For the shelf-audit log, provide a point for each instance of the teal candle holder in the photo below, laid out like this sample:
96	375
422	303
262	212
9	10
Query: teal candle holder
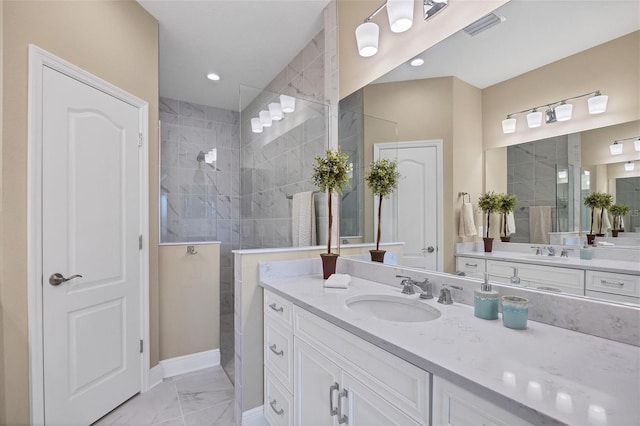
515	312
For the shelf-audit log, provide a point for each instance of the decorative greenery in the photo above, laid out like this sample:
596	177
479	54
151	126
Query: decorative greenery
618	210
489	202
598	200
331	174
506	204
382	178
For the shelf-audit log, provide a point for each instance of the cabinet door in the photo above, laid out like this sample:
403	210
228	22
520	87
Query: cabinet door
364	407
314	376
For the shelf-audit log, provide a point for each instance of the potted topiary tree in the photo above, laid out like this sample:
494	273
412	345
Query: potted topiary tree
330	174
618	211
604	203
488	203
506	204
382	178
594	201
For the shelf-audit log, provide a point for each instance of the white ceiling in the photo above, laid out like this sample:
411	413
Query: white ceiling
247	42
535	33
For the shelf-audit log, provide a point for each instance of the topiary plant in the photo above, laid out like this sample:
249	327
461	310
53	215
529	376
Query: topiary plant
605	201
382	178
591	201
489	202
618	211
506	204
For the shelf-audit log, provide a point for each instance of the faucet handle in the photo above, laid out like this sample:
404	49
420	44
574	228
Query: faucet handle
565	251
403	276
445	296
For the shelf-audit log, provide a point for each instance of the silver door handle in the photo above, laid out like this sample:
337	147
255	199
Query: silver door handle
333	410
429	249
275	410
275	350
58	278
273	306
612	283
341	417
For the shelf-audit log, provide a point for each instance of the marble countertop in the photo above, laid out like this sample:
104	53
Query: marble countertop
604	265
544	374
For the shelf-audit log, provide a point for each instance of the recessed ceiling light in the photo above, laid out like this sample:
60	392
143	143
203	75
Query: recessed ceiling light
213	76
416	62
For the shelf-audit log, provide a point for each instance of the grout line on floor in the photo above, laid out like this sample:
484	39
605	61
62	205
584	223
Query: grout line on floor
179	403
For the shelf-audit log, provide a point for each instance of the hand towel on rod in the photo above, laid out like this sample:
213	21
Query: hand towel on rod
303	220
539	224
511	224
467	225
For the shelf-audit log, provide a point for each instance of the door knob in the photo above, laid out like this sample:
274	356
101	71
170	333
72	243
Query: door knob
58	278
429	249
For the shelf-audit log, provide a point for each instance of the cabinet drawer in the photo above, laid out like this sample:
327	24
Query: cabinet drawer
278	403
607	282
547	277
278	307
278	352
399	382
470	265
613	297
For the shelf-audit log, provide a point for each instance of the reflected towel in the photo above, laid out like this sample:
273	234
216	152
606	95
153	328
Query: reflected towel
467	225
539	224
511	224
606	223
303	220
338	281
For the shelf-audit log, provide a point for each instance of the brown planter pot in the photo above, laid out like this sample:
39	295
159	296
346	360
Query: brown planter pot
599	235
505	239
614	232
328	264
590	238
488	244
377	255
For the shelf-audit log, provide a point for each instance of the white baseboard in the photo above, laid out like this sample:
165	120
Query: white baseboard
254	417
156	375
188	363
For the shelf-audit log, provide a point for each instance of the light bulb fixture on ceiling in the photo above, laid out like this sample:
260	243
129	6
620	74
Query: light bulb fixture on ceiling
616	148
213	76
416	62
209	157
400	14
557	111
629	166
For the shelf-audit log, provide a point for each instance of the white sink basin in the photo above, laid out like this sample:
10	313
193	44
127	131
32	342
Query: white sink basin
393	308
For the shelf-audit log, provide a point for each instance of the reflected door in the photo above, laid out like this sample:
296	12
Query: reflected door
91	226
411	213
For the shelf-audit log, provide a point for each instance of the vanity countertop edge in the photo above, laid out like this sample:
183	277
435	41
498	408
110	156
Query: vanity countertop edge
480	354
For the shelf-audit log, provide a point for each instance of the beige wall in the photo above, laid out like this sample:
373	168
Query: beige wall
189	299
116	41
612	68
394	49
2	380
439	108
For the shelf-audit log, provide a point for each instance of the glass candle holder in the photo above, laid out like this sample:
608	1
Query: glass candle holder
515	311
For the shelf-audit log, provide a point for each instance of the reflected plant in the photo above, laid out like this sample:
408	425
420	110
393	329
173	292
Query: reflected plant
382	178
506	204
489	202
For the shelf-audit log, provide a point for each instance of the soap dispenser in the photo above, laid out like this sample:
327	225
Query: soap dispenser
486	301
586	253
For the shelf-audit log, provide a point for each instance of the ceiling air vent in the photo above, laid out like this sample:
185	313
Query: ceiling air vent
483	23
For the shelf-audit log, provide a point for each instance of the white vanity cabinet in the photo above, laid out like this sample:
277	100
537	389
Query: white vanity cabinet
543	277
613	286
453	405
472	267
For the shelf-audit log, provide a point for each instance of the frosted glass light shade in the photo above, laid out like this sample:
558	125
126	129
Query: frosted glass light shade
275	111
534	119
287	103
598	104
629	166
256	126
563	112
400	14
636	144
615	148
265	118
367	39
211	156
508	125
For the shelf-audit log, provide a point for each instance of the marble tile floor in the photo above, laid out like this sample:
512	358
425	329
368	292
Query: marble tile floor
200	398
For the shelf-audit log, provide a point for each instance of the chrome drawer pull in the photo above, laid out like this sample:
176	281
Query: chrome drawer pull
273	306
332	410
341	417
612	284
471	265
273	349
275	410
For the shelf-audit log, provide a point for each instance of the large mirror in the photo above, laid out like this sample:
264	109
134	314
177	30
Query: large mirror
470	82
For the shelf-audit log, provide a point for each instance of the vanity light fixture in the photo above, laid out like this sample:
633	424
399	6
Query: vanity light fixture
275	111
587	173
615	148
256	125
287	103
209	158
400	14
556	111
629	166
636	144
562	174
265	118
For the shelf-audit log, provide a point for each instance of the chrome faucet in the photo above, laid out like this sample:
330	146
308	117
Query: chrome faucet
565	252
539	250
408	285
551	250
445	294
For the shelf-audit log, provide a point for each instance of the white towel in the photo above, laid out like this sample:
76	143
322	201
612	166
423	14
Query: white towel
605	243
338	281
303	220
606	224
467	225
511	224
539	224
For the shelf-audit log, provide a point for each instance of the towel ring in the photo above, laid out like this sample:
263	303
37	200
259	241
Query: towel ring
462	194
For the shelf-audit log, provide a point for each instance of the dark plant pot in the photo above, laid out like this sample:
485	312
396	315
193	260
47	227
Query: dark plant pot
621	230
488	244
614	232
377	255
328	264
590	238
505	239
599	235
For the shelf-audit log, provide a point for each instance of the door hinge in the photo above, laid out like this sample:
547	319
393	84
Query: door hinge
140	139
141	346
140	242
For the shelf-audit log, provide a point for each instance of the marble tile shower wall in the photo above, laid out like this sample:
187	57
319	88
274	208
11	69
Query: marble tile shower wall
278	162
531	175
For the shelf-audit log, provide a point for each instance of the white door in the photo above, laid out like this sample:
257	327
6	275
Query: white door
91	226
316	387
412	213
